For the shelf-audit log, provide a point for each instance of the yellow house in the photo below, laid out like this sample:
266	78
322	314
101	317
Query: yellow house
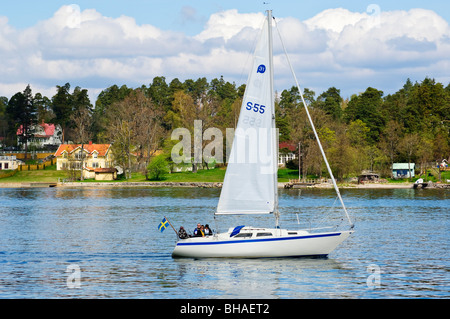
100	174
96	157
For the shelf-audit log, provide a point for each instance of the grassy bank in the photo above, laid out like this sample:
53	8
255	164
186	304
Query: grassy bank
212	175
51	175
47	175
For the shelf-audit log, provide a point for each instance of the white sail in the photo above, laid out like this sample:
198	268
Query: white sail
250	184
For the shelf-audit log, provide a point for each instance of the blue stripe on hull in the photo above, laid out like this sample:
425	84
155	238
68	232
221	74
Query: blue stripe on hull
256	240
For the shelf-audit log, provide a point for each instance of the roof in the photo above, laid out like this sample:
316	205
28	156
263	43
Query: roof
106	170
102	170
49	130
403	165
290	146
101	149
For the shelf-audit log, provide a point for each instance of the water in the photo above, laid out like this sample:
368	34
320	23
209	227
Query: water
104	243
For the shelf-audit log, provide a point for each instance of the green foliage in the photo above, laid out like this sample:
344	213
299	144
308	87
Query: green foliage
367	131
367	107
157	168
331	101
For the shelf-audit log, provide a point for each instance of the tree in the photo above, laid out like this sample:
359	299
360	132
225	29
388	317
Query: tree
82	123
358	133
62	107
134	129
367	108
43	108
104	101
392	134
157	168
342	156
159	92
330	101
3	118
409	146
22	112
427	107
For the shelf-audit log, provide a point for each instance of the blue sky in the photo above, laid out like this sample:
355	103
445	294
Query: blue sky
168	14
345	44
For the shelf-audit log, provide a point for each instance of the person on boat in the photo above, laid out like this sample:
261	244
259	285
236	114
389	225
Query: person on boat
207	231
198	231
182	233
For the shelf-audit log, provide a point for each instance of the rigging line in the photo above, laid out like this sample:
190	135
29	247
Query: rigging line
314	129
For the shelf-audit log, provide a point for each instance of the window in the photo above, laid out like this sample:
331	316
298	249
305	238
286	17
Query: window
6	165
243	235
263	234
95	164
292	233
75	165
94	155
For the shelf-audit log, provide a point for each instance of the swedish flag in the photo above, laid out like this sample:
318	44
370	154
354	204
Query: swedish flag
163	225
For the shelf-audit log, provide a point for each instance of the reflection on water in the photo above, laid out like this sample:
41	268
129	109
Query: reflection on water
111	235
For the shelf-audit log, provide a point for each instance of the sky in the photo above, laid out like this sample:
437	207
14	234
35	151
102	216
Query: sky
348	44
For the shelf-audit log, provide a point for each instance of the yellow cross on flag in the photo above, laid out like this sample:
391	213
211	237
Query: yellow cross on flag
163	225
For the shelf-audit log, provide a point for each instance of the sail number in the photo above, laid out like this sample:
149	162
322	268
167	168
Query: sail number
255	107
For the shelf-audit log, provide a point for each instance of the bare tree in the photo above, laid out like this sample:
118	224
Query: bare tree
135	130
409	146
82	122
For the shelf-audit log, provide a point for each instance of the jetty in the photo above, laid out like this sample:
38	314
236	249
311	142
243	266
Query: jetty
299	183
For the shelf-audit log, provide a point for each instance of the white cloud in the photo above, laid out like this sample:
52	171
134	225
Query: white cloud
227	24
337	47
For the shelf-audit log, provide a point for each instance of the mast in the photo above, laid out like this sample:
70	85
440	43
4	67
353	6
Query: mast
274	127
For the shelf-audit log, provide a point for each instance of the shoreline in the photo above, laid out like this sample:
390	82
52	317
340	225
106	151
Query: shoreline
193	184
284	185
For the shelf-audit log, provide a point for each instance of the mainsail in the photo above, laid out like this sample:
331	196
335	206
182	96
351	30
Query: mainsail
250	184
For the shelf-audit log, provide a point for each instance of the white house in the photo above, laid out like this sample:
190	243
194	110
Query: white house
287	153
403	170
8	162
42	134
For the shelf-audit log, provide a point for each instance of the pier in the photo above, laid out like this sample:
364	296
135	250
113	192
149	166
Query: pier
298	183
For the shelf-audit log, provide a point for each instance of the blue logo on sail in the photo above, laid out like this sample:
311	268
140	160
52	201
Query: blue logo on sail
261	68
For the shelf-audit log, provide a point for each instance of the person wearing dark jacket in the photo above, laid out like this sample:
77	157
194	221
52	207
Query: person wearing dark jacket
182	233
198	231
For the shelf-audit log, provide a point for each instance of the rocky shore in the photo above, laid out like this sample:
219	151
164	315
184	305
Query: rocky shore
217	185
146	184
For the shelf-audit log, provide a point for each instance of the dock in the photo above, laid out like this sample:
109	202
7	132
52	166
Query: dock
299	183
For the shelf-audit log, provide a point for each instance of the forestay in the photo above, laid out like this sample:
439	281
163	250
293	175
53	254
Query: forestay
250	184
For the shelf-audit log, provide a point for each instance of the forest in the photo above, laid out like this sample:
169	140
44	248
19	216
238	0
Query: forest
368	131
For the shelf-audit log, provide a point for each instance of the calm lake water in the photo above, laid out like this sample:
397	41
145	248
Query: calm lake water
104	243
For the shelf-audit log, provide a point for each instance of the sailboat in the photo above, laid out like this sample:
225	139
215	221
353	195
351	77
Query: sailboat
251	184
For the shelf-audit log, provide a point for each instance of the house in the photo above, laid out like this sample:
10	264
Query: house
368	176
403	170
8	162
41	135
100	174
94	156
286	153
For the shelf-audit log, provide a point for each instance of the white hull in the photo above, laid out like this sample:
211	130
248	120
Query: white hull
281	243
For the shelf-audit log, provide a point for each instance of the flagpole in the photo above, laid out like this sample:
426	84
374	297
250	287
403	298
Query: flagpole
171	225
